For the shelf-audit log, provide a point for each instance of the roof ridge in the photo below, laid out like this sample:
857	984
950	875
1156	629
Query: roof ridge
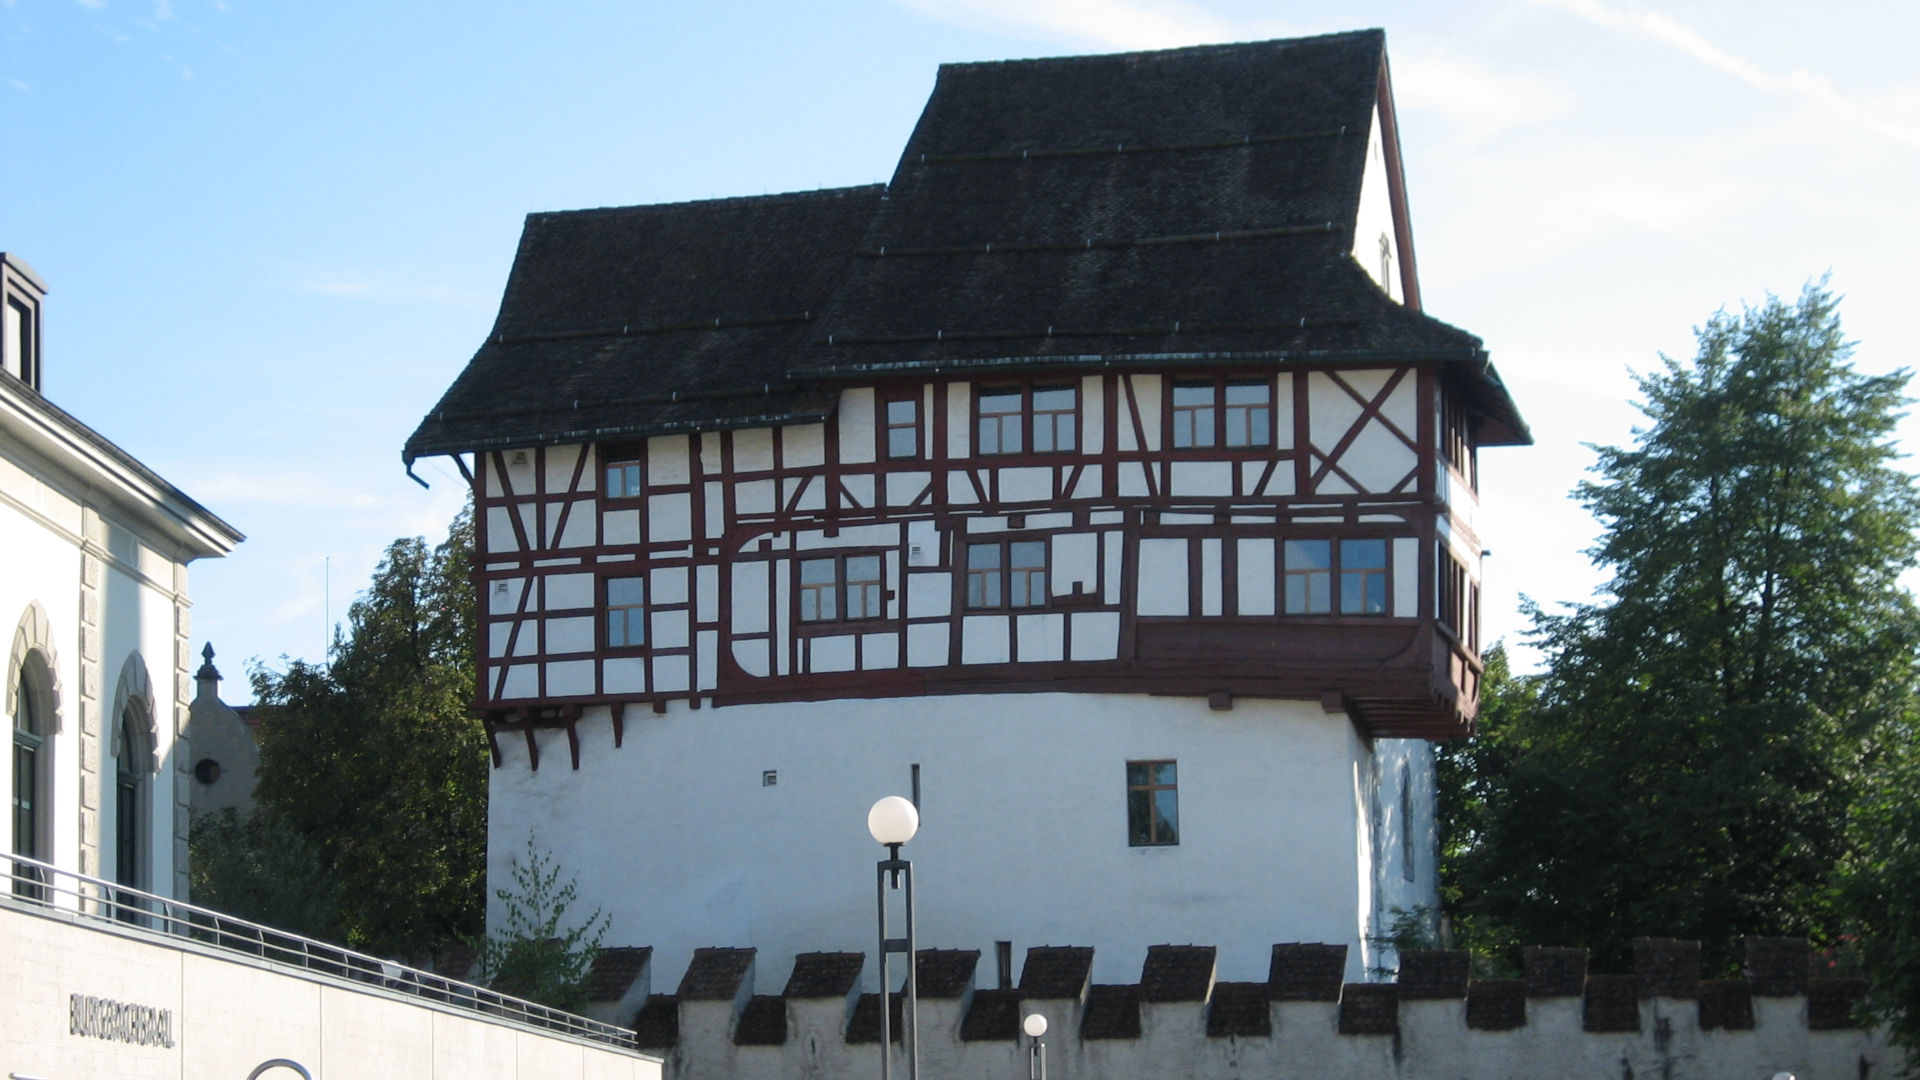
1222	48
720	201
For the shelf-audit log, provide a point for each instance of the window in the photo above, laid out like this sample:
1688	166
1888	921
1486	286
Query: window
1456	439
1214	413
1309	573
1307	568
19	342
129	789
900	425
842	587
1192	415
1363	577
1007	574
626	612
1249	414
1459	602
1153	804
623	471
1005	416
29	785
1054	409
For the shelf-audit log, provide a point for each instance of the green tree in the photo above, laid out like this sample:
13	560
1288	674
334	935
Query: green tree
262	869
1688	759
377	759
1880	887
533	954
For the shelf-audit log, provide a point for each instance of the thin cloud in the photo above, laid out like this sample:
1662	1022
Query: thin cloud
1808	86
1477	100
1116	24
163	10
90	5
288	489
20	86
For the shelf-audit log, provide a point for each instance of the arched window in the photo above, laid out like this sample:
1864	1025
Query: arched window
32	754
131	757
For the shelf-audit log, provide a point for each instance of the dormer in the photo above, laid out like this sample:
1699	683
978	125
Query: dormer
22	295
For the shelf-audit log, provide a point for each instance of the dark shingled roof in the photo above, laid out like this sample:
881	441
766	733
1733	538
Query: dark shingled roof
1183	208
1113	1012
992	1016
1496	1004
653	318
1427	974
1725	1005
1612	1003
1239	1009
1830	1003
1055	971
1306	971
1667	967
614	970
864	1025
946	973
657	1025
1177	973
824	974
763	1022
1369	1009
1555	971
715	974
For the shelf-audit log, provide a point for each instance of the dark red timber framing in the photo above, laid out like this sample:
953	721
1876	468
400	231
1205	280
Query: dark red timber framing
1171	235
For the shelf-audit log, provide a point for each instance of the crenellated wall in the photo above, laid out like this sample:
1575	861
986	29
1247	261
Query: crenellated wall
1437	1021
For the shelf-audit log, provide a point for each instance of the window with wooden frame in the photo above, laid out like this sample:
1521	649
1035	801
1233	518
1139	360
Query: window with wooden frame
624	470
842	588
1153	803
900	425
1004	574
1326	576
1235	413
1459	606
1456	438
1012	419
626	612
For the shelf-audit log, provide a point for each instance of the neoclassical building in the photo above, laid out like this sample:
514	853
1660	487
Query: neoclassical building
97	675
1099	481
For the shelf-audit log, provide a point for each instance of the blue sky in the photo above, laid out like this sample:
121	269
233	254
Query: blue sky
275	232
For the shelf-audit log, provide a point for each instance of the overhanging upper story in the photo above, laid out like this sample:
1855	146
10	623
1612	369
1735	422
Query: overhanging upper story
1122	383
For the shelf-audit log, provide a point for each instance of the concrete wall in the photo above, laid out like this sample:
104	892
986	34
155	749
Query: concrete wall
746	825
224	1016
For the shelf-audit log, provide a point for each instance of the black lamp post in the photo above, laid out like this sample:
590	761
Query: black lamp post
893	821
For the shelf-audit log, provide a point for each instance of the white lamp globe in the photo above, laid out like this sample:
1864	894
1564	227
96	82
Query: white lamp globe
1034	1025
893	820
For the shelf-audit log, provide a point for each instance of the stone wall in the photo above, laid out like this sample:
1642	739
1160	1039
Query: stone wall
1436	1021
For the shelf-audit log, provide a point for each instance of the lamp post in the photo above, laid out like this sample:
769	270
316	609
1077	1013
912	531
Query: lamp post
893	821
1035	1026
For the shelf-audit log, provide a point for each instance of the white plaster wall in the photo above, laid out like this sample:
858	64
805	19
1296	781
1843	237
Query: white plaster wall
1024	836
1409	885
231	1014
1375	217
39	531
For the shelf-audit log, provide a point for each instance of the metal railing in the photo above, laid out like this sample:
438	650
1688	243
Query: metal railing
34	884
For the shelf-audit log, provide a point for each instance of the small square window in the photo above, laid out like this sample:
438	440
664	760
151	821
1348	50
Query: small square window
842	587
1248	414
1054	411
1363	577
623	471
900	421
626	612
1307	567
1193	412
1007	574
999	426
1153	804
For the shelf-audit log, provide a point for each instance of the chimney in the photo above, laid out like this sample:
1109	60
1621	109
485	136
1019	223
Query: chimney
21	295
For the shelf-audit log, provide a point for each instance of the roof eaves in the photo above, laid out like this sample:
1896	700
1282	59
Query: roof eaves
76	447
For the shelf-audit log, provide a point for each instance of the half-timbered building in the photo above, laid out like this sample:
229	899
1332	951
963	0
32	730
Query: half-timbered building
1100	478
